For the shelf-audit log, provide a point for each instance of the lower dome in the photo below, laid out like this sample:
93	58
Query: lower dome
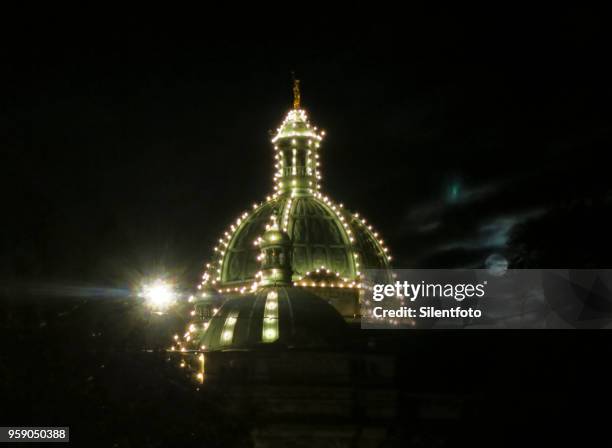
275	317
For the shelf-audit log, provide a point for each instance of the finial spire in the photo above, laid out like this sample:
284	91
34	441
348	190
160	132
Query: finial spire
296	93
276	256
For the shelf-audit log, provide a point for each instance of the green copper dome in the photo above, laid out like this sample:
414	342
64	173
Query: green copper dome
273	317
319	238
289	272
323	233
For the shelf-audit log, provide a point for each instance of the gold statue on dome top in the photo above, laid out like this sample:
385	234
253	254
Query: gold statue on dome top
296	93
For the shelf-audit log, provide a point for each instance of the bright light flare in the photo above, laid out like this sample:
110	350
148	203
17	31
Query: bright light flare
159	294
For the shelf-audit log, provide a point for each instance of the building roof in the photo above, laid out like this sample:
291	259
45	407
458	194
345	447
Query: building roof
275	317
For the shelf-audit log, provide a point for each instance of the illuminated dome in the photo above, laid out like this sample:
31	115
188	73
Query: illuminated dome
325	236
321	236
275	317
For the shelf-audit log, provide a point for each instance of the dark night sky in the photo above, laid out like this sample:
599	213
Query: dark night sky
131	147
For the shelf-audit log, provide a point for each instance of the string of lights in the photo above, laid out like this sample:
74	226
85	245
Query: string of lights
297	178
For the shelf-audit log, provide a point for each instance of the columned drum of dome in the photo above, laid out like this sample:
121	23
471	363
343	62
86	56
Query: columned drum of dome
324	235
